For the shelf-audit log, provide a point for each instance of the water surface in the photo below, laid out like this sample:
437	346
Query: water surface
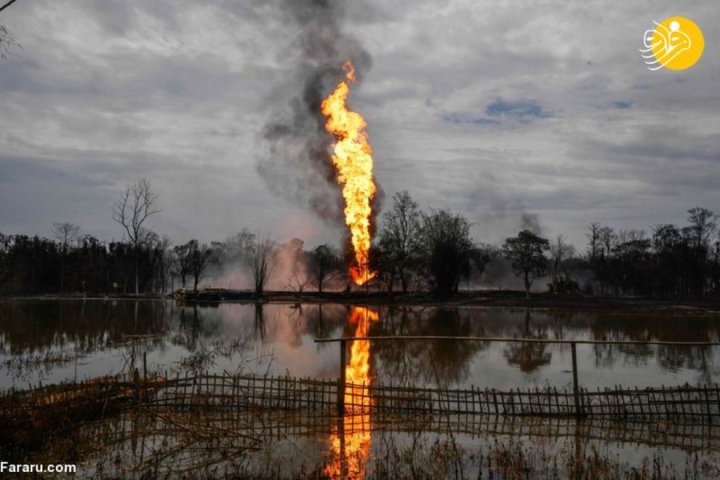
55	340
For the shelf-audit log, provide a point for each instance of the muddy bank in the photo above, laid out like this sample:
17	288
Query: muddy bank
476	298
488	298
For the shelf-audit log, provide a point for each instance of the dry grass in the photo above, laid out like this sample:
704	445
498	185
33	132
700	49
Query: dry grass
110	432
155	444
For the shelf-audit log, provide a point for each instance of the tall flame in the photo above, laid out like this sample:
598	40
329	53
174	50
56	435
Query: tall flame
351	446
357	371
352	157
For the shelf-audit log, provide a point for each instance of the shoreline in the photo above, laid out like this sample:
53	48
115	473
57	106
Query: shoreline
495	298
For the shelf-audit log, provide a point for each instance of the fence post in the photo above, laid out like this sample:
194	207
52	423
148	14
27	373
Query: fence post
341	382
576	390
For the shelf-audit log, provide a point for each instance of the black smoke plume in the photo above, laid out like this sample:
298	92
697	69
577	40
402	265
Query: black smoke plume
296	163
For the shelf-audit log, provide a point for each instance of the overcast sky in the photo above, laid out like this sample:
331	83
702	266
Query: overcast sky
490	108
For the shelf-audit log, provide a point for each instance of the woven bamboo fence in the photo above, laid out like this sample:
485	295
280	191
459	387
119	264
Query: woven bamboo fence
247	392
311	395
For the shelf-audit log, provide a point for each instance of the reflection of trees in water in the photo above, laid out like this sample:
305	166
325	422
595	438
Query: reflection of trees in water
400	320
401	361
441	362
37	325
321	320
559	320
319	323
634	355
198	326
606	355
188	330
705	366
288	324
528	356
676	357
202	331
259	323
195	324
660	327
39	336
254	330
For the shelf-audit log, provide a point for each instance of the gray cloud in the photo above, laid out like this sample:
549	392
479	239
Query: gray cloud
492	109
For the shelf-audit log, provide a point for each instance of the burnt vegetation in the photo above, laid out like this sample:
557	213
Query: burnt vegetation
415	250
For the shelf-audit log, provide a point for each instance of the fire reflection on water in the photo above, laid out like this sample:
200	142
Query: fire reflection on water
350	447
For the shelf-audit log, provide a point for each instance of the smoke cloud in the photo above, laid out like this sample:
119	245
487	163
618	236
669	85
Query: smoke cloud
296	162
531	222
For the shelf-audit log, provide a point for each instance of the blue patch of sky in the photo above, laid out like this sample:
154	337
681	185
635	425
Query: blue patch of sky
519	109
499	110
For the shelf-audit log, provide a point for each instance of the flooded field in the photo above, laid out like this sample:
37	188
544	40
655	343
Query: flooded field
142	445
46	342
53	341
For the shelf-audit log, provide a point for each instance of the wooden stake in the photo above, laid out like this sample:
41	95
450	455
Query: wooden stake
576	393
341	382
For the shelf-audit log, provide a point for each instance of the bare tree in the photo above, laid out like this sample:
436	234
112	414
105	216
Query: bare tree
235	250
593	236
298	258
65	233
608	240
182	256
400	236
324	262
560	250
193	259
165	263
135	206
560	253
6	40
262	262
703	223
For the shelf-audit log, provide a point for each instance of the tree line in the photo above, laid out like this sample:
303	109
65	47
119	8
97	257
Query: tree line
434	250
414	250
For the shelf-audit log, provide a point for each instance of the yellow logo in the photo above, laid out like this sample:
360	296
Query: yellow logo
676	44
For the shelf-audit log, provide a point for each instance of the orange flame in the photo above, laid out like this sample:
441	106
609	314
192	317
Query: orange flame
352	157
350	450
358	370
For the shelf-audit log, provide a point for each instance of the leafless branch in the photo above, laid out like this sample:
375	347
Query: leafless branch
135	206
66	233
7	5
